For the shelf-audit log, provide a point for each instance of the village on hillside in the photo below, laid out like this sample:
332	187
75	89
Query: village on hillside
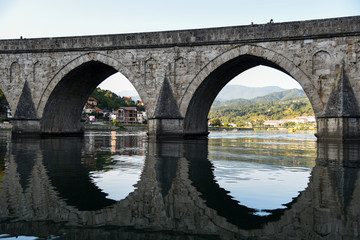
127	115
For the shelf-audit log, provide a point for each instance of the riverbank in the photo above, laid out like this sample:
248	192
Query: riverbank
229	129
98	127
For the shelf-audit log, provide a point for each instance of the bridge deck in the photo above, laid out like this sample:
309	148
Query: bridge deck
311	29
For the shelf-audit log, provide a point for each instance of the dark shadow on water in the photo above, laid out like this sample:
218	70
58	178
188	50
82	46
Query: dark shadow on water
63	160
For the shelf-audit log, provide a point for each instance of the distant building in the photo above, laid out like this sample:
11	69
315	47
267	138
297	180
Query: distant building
127	98
141	117
98	110
113	116
90	106
127	114
92	101
274	123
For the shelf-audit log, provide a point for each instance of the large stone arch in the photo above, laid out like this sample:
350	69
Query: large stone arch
92	56
208	82
64	97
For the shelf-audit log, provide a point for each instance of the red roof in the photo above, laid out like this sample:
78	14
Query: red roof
98	109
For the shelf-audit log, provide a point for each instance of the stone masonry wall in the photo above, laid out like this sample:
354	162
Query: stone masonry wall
320	54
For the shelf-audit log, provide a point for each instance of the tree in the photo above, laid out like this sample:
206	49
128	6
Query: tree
288	124
215	122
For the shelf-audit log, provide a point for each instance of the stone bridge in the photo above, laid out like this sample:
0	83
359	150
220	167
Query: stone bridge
175	196
179	73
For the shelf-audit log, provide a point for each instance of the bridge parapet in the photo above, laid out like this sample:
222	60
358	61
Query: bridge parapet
311	29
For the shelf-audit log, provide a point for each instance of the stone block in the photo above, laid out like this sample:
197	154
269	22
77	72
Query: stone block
338	128
165	127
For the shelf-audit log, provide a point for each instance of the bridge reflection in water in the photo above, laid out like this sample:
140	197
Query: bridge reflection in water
46	190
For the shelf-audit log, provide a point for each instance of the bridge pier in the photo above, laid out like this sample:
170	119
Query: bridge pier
25	127
32	127
338	128
166	127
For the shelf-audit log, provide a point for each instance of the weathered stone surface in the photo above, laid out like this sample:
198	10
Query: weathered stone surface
197	64
166	106
26	108
342	101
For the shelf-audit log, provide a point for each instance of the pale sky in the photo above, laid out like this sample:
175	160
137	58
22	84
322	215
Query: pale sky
53	18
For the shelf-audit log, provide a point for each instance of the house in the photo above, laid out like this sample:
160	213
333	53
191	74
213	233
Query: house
274	123
92	101
90	109
127	114
141	117
107	113
90	106
127	99
87	108
113	115
98	110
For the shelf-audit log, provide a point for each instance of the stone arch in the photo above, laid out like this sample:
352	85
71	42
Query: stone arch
208	82
63	98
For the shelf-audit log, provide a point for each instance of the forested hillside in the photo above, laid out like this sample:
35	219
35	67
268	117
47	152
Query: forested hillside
109	100
275	106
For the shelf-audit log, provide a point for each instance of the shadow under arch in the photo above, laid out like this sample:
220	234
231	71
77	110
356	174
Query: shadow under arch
212	78
70	180
69	90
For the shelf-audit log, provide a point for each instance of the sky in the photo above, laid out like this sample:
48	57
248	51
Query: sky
50	18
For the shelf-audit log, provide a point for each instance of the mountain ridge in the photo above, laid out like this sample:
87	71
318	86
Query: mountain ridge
275	96
230	92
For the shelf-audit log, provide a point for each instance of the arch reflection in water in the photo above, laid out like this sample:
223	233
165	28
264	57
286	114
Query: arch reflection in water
176	196
263	170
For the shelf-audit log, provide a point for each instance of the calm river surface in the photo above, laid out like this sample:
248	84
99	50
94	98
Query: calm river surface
233	185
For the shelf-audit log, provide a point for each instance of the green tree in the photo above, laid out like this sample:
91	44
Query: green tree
288	124
215	122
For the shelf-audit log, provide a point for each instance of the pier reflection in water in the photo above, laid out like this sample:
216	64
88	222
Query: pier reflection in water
82	188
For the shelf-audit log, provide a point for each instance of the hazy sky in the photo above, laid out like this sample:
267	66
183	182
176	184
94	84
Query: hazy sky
50	18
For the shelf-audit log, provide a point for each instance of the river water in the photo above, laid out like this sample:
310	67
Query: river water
232	185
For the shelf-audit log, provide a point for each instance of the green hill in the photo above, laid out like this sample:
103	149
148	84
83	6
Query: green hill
109	100
284	95
272	97
274	106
